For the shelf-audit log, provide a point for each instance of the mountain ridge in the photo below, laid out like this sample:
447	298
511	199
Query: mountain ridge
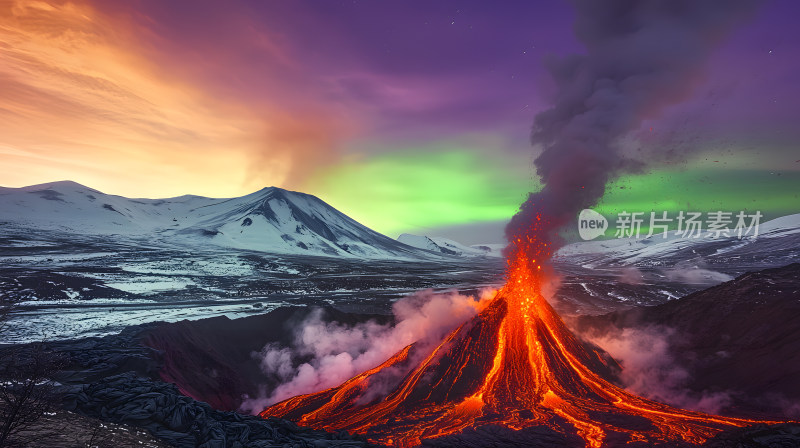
449	247
271	219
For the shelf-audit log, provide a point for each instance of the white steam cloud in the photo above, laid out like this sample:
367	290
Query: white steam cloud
696	276
325	354
649	369
630	276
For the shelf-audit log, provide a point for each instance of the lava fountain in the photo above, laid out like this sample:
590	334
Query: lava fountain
516	365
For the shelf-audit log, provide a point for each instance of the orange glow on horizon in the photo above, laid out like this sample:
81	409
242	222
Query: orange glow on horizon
80	100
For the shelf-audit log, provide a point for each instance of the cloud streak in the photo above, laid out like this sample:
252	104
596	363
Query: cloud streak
81	91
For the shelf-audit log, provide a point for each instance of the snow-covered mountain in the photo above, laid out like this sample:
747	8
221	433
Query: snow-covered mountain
449	247
777	244
270	220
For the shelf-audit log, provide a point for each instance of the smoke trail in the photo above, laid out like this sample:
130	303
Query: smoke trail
641	55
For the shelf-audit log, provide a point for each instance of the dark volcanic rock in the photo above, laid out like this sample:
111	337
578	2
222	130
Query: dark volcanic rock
92	359
759	436
184	422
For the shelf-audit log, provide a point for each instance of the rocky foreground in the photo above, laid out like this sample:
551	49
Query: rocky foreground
183	422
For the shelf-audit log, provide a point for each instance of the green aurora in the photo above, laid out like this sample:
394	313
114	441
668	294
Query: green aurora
427	188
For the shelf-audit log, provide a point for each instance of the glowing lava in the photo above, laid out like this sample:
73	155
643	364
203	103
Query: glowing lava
515	365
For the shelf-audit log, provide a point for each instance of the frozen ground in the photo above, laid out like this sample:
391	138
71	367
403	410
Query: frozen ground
67	285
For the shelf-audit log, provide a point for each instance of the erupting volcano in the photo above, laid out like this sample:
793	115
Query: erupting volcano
516	365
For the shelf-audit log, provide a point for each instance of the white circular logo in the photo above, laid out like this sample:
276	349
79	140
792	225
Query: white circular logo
591	224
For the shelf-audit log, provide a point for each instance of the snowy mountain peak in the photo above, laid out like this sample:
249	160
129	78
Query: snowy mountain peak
449	247
270	220
58	187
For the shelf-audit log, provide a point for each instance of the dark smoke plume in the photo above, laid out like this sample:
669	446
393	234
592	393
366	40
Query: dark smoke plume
641	55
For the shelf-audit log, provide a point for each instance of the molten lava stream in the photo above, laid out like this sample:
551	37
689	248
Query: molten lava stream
515	365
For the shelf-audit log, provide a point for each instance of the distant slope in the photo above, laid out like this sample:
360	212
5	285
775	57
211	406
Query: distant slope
270	220
741	337
448	247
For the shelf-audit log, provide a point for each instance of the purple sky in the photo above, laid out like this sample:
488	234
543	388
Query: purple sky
285	93
404	70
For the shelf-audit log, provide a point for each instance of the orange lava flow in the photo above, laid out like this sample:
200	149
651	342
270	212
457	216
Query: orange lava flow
514	365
